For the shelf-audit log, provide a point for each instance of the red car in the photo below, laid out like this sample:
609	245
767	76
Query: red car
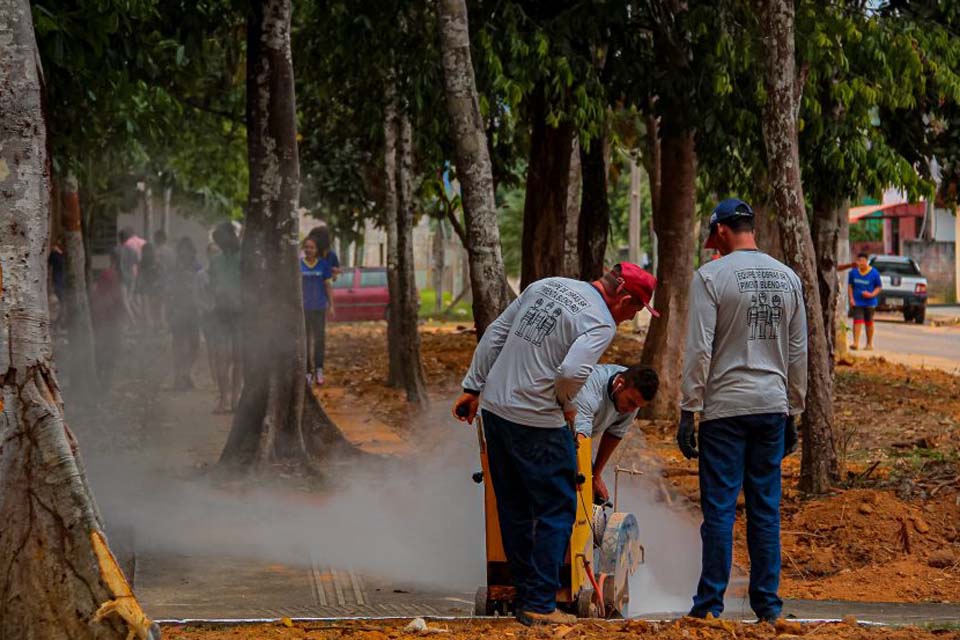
360	293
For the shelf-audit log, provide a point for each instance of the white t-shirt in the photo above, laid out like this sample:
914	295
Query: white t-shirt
596	411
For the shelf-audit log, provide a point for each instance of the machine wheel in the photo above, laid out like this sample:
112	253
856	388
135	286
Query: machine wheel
482	605
620	555
585	606
920	315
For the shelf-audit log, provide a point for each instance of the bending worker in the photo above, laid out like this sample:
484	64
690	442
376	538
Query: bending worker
525	374
745	373
606	407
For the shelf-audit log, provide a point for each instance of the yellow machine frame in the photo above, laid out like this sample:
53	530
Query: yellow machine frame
573	575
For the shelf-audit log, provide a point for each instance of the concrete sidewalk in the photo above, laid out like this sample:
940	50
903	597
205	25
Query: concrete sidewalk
224	588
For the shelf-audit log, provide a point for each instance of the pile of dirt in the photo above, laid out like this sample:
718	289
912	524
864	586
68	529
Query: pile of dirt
870	545
686	629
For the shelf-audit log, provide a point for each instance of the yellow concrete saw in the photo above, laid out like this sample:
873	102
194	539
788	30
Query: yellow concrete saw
603	553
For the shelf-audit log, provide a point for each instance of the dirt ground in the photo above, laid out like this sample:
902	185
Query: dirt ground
889	532
463	630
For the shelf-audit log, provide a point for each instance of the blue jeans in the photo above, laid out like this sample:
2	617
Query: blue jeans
742	451
533	471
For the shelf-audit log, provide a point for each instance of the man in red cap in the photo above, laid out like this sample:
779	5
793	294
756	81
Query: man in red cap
525	374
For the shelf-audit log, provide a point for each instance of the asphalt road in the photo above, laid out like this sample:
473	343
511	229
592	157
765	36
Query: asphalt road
916	345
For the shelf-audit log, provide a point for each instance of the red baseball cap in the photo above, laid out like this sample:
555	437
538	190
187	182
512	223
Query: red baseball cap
640	284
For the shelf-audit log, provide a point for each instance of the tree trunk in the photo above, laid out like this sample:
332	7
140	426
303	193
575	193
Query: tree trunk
842	351
779	121
165	216
768	231
826	241
651	162
675	222
76	307
487	278
391	206
53	581
594	210
146	207
571	253
545	204
267	426
439	265
413	380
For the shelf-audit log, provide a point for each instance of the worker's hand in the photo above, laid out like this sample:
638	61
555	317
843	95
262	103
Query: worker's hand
570	417
790	436
330	312
466	407
600	493
687	436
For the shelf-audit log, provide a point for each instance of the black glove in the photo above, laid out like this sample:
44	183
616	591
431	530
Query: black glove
790	436
687	436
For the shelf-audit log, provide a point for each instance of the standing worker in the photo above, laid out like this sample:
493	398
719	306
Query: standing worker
863	286
606	407
529	366
745	373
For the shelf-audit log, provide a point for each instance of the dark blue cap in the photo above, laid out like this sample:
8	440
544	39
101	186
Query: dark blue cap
725	211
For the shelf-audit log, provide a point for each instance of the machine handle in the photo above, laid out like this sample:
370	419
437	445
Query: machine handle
463	411
478	477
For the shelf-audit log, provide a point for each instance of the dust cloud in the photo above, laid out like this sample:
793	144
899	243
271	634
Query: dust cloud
419	523
667	580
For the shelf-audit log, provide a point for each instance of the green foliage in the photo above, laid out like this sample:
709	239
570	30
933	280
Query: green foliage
141	88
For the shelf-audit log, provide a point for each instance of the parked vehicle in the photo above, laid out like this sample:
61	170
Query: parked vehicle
904	287
361	293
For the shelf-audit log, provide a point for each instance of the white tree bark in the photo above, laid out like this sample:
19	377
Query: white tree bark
51	584
571	252
488	281
819	460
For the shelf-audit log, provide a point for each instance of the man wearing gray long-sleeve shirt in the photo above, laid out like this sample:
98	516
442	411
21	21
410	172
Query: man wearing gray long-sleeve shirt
525	375
745	373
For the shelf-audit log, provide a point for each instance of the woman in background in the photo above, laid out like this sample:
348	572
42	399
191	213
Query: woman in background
317	304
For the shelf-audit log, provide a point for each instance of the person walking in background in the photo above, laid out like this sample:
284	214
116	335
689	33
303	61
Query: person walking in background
166	258
863	286
225	290
321	236
108	313
745	373
183	313
149	288
208	322
317	304
128	262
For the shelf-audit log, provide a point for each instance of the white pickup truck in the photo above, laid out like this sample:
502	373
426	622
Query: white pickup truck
904	287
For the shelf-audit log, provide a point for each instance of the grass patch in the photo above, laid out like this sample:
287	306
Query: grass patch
428	307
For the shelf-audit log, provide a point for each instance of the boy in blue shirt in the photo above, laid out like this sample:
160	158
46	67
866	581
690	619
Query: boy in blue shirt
864	287
317	303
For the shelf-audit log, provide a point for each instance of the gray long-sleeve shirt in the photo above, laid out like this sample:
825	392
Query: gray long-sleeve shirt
533	359
746	350
596	411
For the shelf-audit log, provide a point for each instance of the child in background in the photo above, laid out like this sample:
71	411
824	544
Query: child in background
317	303
183	313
